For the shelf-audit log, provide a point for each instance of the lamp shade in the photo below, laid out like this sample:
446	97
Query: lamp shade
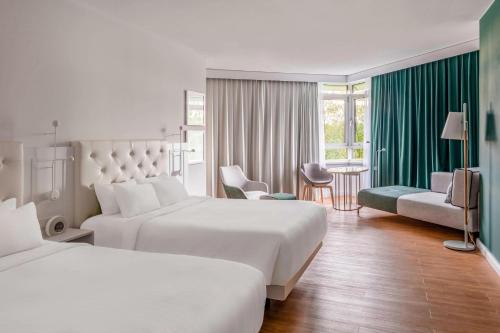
454	127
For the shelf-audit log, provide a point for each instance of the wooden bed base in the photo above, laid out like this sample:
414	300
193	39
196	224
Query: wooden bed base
280	293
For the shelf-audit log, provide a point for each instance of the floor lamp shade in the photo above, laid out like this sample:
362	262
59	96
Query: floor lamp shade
454	126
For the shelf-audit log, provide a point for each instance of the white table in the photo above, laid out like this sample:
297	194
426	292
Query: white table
73	235
351	180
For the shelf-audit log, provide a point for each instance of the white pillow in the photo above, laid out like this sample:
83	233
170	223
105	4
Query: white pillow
7	205
449	191
135	199
106	197
169	190
19	230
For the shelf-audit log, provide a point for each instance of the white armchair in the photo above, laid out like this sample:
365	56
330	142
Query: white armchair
238	186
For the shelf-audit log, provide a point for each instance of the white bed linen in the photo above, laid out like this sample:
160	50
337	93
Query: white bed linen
76	288
273	236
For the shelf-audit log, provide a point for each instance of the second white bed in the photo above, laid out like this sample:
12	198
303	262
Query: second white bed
276	237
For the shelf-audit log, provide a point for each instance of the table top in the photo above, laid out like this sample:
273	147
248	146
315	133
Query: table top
350	170
69	235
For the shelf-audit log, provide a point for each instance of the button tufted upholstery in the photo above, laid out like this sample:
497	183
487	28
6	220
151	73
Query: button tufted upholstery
11	171
107	162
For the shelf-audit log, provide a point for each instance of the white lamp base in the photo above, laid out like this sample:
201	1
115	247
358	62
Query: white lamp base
459	245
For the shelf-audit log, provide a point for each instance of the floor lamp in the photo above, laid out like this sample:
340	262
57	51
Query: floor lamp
456	128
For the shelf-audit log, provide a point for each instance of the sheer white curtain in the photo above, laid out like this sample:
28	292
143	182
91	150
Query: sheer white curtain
269	128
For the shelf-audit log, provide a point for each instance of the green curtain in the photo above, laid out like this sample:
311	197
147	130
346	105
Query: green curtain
408	111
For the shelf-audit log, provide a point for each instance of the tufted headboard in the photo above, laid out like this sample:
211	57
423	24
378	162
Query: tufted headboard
11	171
107	162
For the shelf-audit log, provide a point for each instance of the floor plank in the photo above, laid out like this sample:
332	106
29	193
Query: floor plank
382	273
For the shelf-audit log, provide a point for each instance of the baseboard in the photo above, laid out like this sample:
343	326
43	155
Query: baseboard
490	258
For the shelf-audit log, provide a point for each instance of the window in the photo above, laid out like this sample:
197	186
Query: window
195	121
329	88
344	111
360	88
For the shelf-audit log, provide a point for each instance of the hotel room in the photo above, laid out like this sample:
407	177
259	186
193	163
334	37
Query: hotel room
245	167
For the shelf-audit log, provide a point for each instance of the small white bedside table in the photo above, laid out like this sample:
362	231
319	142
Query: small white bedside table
73	235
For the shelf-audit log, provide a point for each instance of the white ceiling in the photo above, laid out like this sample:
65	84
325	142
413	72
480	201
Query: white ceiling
304	36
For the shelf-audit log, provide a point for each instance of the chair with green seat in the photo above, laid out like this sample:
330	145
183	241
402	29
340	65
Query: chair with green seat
238	186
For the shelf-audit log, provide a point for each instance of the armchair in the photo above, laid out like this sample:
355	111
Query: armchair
315	177
238	186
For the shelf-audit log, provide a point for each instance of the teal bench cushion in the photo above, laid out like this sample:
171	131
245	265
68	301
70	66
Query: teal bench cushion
385	198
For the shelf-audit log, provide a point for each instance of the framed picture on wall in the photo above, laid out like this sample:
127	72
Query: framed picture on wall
195	126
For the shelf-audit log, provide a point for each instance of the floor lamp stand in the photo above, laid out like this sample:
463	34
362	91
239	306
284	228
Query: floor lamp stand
464	245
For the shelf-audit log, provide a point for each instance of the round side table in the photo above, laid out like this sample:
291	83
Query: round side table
351	180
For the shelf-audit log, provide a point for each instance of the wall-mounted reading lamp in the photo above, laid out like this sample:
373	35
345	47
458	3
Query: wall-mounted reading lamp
54	193
180	153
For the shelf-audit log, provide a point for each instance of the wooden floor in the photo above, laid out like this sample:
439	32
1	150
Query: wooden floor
384	273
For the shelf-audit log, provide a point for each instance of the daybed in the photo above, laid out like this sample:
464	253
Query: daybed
422	204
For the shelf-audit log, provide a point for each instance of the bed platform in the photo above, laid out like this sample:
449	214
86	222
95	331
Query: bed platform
280	293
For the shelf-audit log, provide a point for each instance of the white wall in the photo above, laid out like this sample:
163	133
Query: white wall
100	77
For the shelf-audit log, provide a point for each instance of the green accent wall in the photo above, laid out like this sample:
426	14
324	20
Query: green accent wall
489	151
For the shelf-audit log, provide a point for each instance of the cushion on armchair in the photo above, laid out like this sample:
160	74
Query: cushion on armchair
233	192
255	195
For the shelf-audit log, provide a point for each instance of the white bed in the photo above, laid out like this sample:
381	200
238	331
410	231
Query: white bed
280	238
78	288
276	237
64	287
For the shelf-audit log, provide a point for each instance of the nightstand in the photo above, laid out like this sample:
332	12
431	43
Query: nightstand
73	235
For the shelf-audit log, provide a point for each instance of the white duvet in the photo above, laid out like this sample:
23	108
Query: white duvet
77	288
273	236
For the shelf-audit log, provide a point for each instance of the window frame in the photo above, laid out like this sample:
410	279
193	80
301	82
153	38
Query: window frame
349	127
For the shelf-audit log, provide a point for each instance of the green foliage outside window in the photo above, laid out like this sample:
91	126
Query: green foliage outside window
336	154
334	121
357	154
340	121
360	121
